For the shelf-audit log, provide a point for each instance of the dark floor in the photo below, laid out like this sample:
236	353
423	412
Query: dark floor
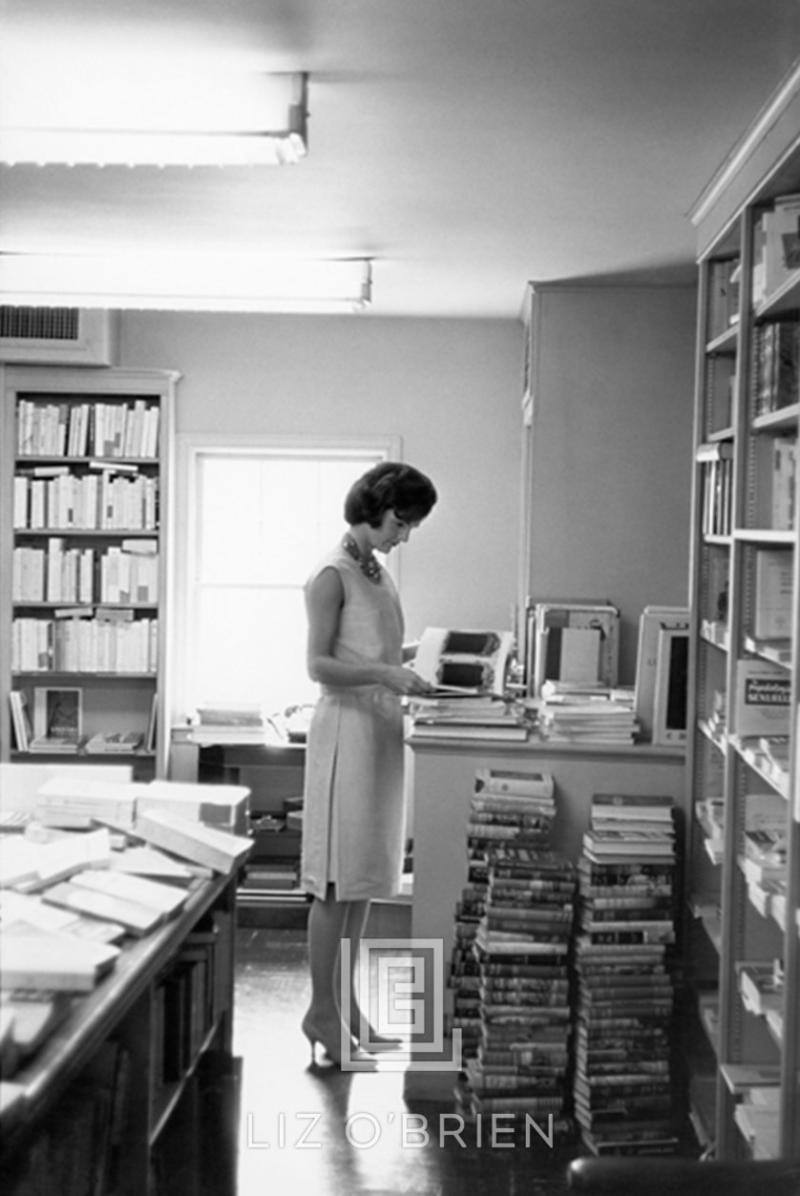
333	1133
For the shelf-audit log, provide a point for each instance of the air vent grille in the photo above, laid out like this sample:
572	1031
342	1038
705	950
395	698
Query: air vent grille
40	323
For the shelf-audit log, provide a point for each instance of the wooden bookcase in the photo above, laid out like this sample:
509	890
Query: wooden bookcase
137	1091
85	553
745	513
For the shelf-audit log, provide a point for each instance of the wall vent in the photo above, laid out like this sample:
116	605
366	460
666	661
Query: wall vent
57	336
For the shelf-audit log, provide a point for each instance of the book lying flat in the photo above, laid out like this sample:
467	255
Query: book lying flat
165	899
59	962
514	781
137	919
111	802
34	1016
149	861
192	840
226	807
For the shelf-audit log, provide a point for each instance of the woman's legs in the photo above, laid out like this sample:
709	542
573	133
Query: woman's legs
355	922
326	926
330	921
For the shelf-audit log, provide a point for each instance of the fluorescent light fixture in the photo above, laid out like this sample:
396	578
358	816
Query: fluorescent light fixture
105	117
186	281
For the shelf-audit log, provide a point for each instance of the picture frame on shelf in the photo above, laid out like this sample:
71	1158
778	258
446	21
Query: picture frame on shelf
57	714
671	686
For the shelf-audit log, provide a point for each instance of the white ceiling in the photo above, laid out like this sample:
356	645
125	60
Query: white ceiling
465	145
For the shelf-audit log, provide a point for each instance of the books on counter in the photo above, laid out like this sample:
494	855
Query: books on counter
79	801
195	841
165	899
150	862
137	919
226	807
48	960
572	714
29	865
468	716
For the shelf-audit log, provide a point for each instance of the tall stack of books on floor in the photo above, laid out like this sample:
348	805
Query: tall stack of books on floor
510	964
623	1091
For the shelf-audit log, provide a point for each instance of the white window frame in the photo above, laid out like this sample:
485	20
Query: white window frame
191	447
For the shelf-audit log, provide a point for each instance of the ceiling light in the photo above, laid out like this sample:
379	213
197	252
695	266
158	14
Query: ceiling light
186	282
162	118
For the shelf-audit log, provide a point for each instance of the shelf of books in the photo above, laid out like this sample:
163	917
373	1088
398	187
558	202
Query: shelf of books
743	930
85	564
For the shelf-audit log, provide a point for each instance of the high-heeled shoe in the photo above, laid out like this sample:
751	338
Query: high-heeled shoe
331	1042
375	1043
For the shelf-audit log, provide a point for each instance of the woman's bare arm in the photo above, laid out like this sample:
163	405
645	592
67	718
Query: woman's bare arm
324	604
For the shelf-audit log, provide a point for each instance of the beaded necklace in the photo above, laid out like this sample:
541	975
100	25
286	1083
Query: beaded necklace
367	564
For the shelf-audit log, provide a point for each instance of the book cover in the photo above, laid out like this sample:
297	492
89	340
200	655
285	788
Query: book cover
762	698
772	616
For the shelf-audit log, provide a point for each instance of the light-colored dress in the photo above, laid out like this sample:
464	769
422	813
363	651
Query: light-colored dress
353	811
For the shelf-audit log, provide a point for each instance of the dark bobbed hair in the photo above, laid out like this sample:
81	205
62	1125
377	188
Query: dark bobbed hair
390	486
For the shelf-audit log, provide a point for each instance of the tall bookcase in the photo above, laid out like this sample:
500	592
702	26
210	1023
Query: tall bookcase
743	752
85	559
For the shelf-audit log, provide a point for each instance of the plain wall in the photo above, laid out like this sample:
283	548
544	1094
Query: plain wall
611	448
450	389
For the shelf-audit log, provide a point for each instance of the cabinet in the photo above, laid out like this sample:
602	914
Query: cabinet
742	768
85	564
136	1091
274	774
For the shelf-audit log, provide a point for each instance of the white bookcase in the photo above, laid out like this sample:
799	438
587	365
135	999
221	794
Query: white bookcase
85	560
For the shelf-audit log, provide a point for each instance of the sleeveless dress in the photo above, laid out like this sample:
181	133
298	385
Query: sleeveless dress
353	810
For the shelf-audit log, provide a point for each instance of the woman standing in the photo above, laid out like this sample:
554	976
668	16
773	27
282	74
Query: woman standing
353	814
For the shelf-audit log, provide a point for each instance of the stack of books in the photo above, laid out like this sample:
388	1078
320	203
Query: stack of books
229	722
468	716
517	1051
574	713
764	852
522	945
626	899
508	806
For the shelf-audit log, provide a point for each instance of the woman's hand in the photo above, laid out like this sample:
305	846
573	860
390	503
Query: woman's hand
401	680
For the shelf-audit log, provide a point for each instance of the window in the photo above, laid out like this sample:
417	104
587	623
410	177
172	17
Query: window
261	519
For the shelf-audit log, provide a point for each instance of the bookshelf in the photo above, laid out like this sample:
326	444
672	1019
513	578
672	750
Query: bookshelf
135	1091
742	769
85	564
